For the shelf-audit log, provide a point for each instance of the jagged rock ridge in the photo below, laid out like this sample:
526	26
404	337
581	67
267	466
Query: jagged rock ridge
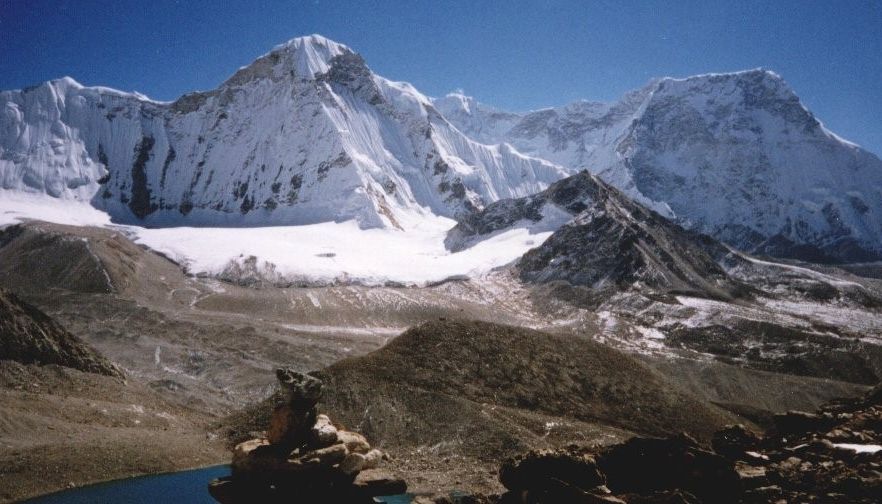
607	241
29	336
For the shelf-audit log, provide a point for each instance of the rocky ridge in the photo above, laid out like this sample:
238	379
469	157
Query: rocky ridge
834	456
604	241
29	336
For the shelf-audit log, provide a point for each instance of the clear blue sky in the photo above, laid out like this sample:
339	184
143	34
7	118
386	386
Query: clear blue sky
518	55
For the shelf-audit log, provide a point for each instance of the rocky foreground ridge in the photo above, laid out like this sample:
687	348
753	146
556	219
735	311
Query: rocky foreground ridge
832	456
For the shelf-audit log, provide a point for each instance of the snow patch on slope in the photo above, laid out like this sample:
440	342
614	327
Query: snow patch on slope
322	253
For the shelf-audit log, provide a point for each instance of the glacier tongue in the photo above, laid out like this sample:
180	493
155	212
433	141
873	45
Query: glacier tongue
305	134
733	155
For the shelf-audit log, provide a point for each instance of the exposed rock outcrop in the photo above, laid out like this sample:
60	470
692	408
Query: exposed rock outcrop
304	457
29	336
834	456
602	240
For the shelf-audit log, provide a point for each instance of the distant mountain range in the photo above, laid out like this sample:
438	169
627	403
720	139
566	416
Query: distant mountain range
307	133
736	156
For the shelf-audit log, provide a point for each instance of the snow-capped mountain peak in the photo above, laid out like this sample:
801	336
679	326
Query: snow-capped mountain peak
306	133
735	155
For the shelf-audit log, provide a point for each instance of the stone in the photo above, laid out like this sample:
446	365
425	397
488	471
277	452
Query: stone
223	490
255	456
373	458
374	483
355	442
751	476
325	457
323	433
663	497
290	426
303	391
646	465
353	463
734	441
555	490
535	469
800	422
763	494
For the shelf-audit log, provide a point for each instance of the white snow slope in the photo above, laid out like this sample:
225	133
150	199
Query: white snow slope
733	155
305	134
313	254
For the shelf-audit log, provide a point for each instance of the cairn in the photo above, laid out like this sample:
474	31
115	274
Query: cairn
304	457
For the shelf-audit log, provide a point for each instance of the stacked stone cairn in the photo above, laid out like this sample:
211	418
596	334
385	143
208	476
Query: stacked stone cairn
304	457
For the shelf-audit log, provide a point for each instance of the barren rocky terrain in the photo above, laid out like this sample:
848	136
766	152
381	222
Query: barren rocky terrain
200	349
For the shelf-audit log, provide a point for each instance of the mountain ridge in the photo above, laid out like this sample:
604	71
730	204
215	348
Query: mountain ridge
736	155
307	133
258	149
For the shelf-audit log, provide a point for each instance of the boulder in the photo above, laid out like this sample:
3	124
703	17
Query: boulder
353	463
372	459
540	470
302	390
663	497
647	465
290	426
799	423
355	442
323	433
374	483
751	476
223	490
325	457
734	441
256	456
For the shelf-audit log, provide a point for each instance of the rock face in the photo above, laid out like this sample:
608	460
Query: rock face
34	257
304	457
306	133
833	456
29	336
736	156
606	240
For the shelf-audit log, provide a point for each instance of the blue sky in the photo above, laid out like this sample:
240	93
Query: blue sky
517	55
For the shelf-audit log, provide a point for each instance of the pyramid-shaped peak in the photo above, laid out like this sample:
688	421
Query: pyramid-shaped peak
312	54
315	42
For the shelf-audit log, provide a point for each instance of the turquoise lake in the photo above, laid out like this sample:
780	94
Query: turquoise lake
185	487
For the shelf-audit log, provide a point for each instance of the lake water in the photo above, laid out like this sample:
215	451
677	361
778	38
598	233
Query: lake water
189	487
